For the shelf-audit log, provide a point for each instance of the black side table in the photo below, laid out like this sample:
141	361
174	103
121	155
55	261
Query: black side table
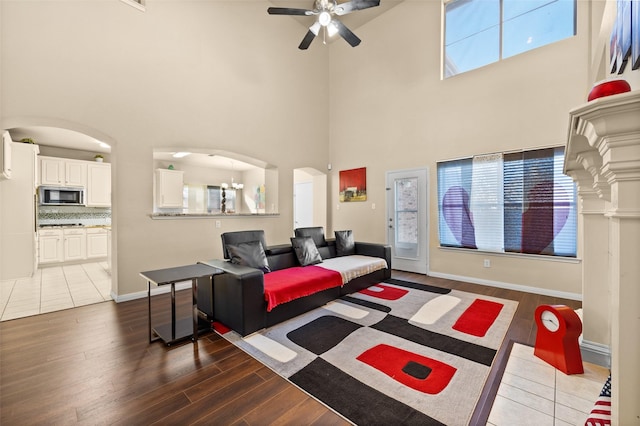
185	327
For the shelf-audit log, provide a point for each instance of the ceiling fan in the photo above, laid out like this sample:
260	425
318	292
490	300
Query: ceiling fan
326	11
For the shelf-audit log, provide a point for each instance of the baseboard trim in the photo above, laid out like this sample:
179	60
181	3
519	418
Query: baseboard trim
182	285
509	286
595	353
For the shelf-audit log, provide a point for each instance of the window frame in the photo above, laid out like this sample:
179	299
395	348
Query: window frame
449	71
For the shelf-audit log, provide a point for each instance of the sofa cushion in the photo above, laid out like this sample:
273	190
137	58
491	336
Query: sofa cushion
306	251
315	232
238	237
345	245
249	254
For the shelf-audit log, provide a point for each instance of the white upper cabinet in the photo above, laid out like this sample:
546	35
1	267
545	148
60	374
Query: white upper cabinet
93	176
51	171
62	172
169	187
75	173
99	185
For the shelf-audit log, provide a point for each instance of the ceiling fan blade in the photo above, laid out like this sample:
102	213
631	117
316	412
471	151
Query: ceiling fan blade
311	34
353	5
289	11
306	41
346	33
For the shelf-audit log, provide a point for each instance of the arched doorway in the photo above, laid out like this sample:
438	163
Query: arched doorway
59	139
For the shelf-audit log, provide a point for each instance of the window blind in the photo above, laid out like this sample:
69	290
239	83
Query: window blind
517	202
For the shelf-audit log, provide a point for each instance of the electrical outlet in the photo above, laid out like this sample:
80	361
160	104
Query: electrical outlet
487	263
218	224
373	206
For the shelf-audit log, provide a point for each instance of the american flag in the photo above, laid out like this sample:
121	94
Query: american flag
601	412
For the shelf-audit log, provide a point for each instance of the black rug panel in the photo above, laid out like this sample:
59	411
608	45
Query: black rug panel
322	334
353	399
367	304
418	286
401	328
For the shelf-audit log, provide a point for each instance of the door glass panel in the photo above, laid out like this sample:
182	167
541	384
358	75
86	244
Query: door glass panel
406	218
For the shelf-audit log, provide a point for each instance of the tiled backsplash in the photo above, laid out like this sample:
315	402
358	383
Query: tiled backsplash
65	215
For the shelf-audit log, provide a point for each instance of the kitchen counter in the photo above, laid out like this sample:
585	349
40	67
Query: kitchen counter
67	226
209	215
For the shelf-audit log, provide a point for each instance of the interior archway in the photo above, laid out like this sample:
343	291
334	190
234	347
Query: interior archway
60	135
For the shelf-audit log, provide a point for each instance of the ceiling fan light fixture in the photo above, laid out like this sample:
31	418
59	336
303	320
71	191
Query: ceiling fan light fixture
324	18
332	29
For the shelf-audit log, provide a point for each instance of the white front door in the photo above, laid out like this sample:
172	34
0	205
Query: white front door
407	219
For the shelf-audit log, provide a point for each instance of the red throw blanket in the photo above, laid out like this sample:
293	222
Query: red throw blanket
292	283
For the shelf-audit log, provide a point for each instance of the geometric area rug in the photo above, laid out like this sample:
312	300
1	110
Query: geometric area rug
395	353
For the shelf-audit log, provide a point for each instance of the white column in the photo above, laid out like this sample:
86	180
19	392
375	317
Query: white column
604	141
593	249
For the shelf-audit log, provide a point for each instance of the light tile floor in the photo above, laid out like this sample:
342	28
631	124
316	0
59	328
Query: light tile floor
533	392
55	288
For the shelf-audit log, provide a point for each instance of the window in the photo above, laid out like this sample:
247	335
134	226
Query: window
480	32
208	198
214	200
512	203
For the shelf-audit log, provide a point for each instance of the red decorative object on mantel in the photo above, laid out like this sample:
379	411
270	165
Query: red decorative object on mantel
608	88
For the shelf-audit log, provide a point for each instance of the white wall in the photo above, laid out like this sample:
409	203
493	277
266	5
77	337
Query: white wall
198	74
393	111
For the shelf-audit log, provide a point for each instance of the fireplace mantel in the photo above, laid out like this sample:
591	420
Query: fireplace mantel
603	158
604	142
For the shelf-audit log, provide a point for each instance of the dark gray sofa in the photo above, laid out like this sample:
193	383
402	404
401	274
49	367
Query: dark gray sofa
236	297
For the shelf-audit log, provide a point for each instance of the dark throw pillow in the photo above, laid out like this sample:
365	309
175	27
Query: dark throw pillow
344	243
306	251
249	254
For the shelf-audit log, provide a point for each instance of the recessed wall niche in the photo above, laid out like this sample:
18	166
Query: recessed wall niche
214	182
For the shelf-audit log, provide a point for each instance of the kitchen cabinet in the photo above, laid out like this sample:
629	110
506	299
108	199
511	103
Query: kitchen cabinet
56	245
75	244
98	185
62	172
97	243
50	243
169	187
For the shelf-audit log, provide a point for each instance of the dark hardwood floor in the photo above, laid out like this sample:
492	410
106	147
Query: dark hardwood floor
94	365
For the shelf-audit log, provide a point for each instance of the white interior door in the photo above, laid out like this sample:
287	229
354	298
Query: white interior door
407	219
303	205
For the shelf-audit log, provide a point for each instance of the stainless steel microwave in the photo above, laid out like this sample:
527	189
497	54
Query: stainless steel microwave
61	196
